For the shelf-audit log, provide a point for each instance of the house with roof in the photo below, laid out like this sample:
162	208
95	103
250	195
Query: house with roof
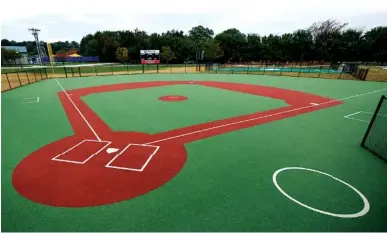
22	50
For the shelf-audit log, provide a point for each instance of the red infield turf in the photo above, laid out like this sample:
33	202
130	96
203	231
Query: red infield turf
97	180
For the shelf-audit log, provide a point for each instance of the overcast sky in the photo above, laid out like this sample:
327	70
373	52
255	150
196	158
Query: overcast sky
72	19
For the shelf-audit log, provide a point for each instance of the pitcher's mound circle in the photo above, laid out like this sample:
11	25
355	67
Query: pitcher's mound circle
173	98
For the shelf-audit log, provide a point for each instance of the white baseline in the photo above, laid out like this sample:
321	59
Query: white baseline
79	111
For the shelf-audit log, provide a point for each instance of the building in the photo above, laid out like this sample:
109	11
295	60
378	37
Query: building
19	49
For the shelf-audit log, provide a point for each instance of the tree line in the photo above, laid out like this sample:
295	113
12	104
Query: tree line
60	46
329	40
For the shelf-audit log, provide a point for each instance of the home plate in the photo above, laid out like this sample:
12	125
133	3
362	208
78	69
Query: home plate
134	157
112	150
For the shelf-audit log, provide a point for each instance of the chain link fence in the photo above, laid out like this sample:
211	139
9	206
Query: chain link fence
375	138
13	77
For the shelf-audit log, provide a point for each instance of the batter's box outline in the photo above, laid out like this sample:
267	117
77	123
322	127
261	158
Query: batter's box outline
351	116
56	158
31	100
130	168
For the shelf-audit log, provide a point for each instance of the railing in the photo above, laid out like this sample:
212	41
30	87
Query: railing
18	78
13	77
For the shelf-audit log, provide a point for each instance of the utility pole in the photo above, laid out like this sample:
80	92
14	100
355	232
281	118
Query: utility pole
35	33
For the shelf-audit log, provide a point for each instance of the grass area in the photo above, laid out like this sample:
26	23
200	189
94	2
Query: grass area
226	183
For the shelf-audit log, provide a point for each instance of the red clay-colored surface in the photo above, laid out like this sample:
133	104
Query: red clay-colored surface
58	183
173	98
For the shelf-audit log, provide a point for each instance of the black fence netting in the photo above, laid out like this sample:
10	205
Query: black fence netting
375	138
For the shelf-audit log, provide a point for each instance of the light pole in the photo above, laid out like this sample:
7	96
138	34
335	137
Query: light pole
35	32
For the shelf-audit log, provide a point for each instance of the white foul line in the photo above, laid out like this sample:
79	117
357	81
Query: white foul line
352	114
352	118
261	117
80	113
356	119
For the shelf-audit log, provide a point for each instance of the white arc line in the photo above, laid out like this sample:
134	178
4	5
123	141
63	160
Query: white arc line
362	212
270	115
80	113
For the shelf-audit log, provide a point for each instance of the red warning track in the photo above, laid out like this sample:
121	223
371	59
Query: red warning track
80	171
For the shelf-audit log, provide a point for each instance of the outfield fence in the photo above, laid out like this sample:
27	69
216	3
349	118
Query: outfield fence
13	77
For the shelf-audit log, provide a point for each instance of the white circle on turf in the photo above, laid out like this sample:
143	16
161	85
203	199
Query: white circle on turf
364	211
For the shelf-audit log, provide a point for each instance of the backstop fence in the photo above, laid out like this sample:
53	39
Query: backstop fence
12	77
375	138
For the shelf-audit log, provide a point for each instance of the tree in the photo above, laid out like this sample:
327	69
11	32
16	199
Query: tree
232	42
122	54
326	36
167	54
8	54
375	44
199	36
212	50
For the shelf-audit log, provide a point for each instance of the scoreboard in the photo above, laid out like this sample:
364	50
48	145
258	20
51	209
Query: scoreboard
150	56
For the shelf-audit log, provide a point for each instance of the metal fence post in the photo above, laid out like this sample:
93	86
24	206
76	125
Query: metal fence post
320	71
366	74
41	75
79	71
9	83
65	70
17	73
299	70
36	80
157	68
281	68
45	70
143	68
18	77
28	77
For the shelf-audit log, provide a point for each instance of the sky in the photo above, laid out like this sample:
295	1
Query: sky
73	19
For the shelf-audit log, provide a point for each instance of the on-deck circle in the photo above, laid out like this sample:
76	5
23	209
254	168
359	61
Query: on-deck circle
362	212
